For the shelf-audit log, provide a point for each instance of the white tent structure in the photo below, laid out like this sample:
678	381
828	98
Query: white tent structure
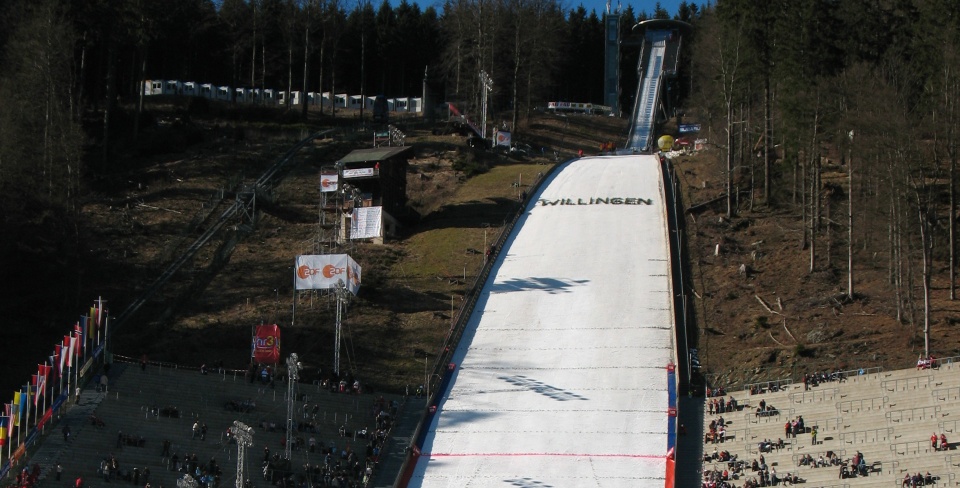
561	375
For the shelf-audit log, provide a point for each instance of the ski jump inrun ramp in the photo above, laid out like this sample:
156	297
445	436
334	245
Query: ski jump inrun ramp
561	375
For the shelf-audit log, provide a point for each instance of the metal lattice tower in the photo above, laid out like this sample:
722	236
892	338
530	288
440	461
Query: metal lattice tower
243	434
293	374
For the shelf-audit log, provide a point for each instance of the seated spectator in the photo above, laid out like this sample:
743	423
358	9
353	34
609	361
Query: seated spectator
943	442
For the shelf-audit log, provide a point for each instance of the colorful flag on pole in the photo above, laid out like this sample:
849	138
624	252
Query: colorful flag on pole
8	411
16	407
86	323
35	386
41	384
71	349
78	331
77	347
4	420
61	357
24	401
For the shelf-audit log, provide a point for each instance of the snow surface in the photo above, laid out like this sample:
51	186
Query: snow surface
561	377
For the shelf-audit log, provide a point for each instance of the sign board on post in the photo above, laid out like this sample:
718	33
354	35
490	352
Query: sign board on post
324	271
329	181
503	138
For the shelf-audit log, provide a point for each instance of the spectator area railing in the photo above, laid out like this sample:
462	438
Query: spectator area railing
948	362
946	394
907	384
911	448
860	373
816	395
777	414
867	436
827	424
948	425
912	414
765	386
868	404
854	375
788	445
736	435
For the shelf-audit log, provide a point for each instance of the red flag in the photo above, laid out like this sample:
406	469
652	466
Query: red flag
41	381
56	360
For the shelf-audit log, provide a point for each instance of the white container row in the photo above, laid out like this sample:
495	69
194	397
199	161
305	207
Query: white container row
273	97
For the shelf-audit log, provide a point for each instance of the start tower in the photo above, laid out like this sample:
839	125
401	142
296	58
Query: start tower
659	57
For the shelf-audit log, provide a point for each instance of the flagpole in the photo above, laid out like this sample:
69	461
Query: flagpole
60	371
9	430
46	379
76	379
293	316
106	335
85	337
27	424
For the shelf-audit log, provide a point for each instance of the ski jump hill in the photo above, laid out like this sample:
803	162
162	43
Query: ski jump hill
565	371
563	374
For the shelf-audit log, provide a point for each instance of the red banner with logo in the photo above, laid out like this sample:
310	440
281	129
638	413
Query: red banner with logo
266	344
671	469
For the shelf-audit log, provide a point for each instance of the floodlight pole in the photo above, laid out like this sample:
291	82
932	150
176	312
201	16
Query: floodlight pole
293	374
341	294
487	85
243	434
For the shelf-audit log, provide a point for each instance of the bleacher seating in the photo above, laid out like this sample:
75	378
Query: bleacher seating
887	416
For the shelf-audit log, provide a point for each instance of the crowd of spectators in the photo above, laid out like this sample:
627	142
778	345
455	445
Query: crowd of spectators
811	380
716	432
337	463
754	474
913	481
766	410
822	461
718	405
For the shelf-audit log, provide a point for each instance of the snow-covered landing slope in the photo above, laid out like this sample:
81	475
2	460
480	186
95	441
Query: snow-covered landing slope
561	374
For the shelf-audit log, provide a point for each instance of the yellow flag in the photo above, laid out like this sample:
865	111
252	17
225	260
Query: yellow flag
16	409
